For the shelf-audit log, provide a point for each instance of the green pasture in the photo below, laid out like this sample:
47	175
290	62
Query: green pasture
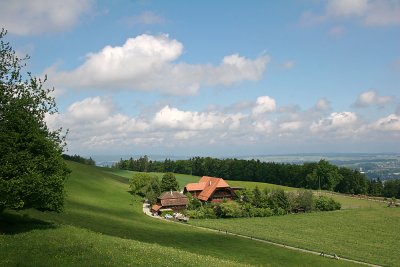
364	230
103	225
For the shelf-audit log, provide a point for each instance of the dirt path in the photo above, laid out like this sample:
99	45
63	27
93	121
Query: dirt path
146	210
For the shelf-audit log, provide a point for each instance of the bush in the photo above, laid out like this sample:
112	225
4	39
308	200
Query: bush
279	211
203	212
260	212
305	200
230	209
324	203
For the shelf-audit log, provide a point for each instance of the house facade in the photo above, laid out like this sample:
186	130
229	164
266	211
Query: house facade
171	200
211	189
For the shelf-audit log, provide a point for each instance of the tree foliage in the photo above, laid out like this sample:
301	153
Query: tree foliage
79	159
169	182
309	175
146	186
32	171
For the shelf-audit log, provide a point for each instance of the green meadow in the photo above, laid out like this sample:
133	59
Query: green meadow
103	225
363	230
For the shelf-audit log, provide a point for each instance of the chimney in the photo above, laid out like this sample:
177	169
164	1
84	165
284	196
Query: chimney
209	183
171	192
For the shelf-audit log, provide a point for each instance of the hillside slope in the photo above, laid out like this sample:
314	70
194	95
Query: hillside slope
103	225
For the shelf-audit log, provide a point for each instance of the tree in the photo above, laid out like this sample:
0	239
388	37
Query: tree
353	182
325	176
32	171
392	188
169	182
258	198
145	185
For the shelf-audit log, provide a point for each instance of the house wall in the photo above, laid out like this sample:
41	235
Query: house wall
222	194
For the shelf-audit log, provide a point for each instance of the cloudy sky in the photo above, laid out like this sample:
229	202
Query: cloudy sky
217	78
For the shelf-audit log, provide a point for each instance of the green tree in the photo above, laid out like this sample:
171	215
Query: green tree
392	188
258	198
32	171
353	182
325	176
145	185
278	199
169	182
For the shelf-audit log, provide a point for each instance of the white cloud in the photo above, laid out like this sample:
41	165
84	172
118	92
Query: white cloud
41	16
184	135
368	12
264	104
322	104
146	18
290	126
371	98
389	123
95	124
382	13
263	126
146	63
344	8
288	65
337	121
174	118
91	109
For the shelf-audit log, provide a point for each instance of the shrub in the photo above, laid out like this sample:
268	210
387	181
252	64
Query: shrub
305	200
279	211
230	209
278	199
324	203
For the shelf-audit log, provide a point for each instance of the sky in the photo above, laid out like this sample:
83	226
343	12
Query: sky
216	78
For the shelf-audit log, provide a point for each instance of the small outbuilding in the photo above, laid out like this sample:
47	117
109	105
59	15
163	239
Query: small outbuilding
171	200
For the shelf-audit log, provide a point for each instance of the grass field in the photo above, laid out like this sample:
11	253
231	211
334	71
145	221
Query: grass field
363	230
103	225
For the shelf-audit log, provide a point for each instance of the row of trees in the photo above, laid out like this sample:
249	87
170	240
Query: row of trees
79	159
257	203
148	186
310	175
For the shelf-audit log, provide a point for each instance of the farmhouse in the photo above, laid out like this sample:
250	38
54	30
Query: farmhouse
211	189
172	200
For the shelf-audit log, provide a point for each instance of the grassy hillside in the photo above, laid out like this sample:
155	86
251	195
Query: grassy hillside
103	225
363	230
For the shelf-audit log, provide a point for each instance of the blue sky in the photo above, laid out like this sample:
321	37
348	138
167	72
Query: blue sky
218	78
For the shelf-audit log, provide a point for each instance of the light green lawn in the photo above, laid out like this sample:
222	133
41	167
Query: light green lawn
103	225
363	230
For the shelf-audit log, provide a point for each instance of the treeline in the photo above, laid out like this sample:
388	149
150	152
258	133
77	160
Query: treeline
79	159
310	175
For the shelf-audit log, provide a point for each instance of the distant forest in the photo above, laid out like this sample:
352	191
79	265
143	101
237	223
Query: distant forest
79	159
310	175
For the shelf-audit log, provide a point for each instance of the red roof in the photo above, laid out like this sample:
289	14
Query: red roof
173	198
207	185
195	186
156	207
